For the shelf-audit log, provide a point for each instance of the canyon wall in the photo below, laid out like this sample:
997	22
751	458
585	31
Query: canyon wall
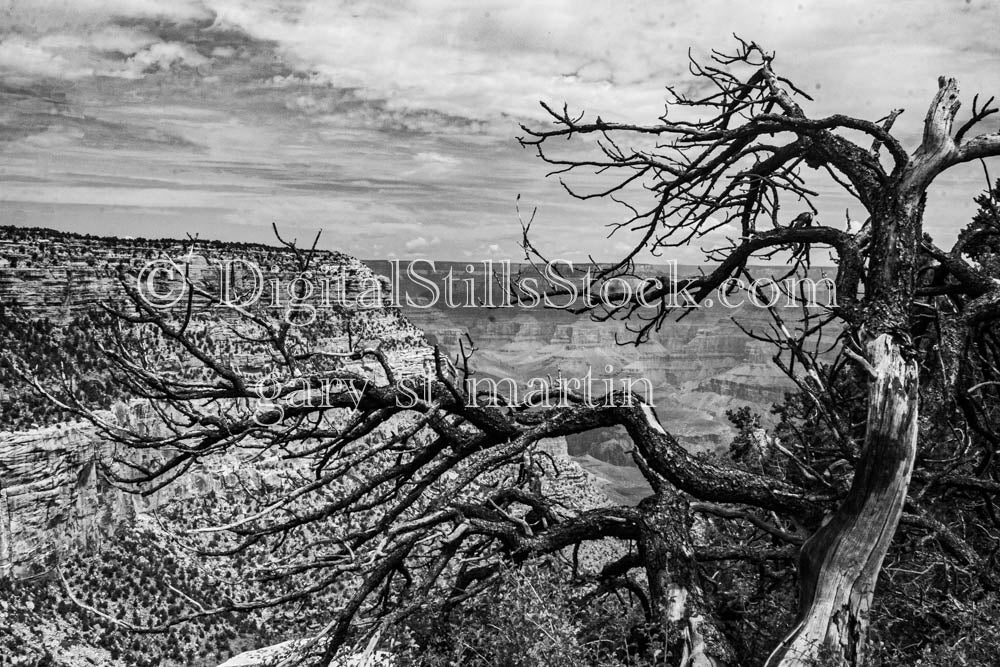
52	494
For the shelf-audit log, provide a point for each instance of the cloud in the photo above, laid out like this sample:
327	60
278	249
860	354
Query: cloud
420	243
106	38
161	56
434	65
496	59
338	107
70	57
41	16
490	61
402	114
22	60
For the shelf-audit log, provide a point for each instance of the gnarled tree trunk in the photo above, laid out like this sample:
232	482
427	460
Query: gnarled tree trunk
839	564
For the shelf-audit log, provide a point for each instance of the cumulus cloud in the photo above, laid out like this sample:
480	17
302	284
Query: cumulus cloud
105	38
486	61
76	39
497	58
25	60
54	58
161	56
421	243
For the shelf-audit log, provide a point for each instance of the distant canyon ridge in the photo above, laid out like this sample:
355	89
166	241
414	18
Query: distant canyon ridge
698	367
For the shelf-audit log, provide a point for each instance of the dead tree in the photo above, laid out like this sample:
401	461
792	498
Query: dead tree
731	159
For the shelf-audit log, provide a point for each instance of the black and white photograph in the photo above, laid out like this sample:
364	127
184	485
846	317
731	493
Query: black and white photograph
389	333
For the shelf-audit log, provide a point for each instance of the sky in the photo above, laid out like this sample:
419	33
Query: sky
391	126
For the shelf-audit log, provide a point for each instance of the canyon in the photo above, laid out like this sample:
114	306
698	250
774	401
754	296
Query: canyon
697	368
698	364
55	499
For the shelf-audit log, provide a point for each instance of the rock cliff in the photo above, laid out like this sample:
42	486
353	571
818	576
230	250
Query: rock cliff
52	494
